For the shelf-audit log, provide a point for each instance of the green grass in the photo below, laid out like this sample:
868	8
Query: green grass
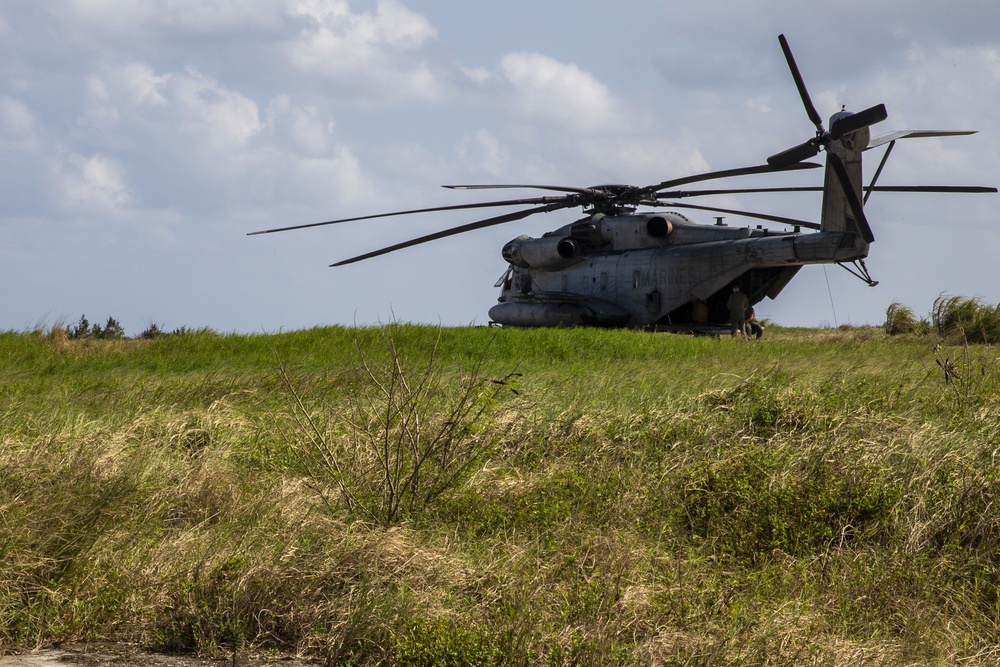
819	496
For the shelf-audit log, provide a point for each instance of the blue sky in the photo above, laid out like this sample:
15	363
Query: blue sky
142	140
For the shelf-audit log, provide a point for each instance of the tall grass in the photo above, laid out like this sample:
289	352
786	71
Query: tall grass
821	497
967	318
954	318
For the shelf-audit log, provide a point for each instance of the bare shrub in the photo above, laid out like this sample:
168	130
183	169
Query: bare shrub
407	436
972	379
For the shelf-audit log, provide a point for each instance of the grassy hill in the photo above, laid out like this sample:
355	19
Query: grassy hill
416	495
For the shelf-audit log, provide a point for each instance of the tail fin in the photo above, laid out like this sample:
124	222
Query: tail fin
838	213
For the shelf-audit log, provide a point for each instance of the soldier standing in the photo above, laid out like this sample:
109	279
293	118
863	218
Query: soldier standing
737	305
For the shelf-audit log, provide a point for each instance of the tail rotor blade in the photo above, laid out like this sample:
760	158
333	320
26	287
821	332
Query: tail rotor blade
795	154
870	116
800	84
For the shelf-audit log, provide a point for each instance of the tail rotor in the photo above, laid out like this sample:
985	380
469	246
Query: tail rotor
841	128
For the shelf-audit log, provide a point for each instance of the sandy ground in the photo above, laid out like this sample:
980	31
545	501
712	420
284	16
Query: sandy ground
126	655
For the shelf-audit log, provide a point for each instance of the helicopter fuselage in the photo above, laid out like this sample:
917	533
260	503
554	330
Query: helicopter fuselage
659	269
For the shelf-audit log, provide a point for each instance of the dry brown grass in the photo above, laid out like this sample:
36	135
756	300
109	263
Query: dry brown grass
829	501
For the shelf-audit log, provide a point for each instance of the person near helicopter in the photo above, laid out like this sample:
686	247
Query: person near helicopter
737	305
753	327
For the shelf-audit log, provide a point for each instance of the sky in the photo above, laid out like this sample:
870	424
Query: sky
141	140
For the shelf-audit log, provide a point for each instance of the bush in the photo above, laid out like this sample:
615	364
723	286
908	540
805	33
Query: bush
152	331
967	319
959	318
765	498
406	438
81	330
899	319
112	330
446	643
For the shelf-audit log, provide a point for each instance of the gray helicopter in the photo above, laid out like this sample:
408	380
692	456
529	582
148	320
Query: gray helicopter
619	267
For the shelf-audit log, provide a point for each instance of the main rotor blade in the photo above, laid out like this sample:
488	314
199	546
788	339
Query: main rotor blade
680	194
726	173
456	207
800	84
555	188
852	197
489	222
748	214
869	116
962	189
878	171
967	189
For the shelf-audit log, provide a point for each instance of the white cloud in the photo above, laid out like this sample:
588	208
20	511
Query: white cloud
954	75
111	15
376	51
212	110
132	16
392	24
476	75
339	174
190	144
760	104
485	152
645	161
143	84
217	15
562	93
941	88
94	182
189	101
100	114
17	126
303	127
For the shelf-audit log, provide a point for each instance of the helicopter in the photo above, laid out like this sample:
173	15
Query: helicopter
619	266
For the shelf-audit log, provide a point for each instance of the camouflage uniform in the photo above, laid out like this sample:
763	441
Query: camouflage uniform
737	305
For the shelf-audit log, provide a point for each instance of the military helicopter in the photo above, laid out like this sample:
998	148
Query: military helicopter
620	267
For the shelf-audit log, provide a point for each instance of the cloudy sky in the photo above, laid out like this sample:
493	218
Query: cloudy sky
141	140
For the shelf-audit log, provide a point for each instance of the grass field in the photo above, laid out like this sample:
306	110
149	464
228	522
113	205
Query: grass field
423	496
